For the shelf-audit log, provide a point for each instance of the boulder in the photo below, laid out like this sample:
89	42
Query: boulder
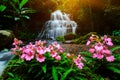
6	38
70	36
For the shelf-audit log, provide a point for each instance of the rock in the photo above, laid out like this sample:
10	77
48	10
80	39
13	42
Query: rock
70	36
6	38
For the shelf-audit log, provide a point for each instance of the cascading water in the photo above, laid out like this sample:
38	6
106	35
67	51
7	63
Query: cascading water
58	25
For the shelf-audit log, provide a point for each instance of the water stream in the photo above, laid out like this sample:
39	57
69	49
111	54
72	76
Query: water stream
5	56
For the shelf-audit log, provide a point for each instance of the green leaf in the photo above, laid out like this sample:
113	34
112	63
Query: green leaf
2	8
38	74
117	57
80	78
54	73
102	78
86	53
114	69
44	68
65	74
14	6
22	3
10	74
115	48
15	1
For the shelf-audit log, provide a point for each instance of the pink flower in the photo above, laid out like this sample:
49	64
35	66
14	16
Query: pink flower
40	58
78	62
107	40
57	46
107	52
109	43
30	46
13	51
68	55
23	56
80	65
60	49
50	48
41	50
92	50
98	56
58	57
88	42
110	58
98	47
28	54
17	42
40	43
53	54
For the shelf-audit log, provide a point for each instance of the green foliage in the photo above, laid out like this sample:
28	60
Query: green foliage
2	8
115	39
65	74
101	67
26	35
115	65
60	38
54	73
22	3
116	33
15	16
49	70
115	48
19	10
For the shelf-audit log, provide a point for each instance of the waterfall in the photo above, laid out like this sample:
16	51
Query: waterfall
58	25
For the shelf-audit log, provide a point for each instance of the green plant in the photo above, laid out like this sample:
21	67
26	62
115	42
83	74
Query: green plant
14	15
2	8
101	68
116	33
36	61
116	39
26	35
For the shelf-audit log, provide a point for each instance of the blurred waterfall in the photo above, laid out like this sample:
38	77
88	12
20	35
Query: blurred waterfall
58	25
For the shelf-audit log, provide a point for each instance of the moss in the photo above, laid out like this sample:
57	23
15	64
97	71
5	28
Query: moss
83	39
60	38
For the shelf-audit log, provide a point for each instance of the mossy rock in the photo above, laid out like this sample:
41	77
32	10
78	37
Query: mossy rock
6	38
70	36
84	39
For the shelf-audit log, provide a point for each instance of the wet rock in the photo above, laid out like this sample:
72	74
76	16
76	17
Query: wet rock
6	38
